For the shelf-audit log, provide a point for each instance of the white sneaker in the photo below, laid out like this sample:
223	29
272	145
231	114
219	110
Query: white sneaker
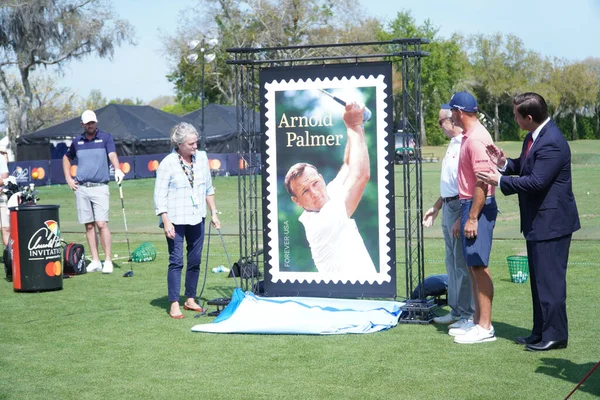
446	319
93	266
466	326
108	267
476	334
460	323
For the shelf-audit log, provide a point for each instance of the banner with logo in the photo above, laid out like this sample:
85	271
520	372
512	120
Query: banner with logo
36	248
146	165
218	164
57	175
26	172
126	164
328	186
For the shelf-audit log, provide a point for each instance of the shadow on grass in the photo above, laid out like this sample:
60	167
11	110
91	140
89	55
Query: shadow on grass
222	291
572	372
510	332
164	303
504	331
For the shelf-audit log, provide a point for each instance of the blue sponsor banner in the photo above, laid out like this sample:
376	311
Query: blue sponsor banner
218	164
50	172
57	176
26	172
146	165
126	163
244	164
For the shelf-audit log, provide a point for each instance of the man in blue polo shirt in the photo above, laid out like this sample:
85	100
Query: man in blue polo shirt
93	149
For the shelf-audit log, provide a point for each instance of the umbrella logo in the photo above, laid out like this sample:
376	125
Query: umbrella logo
53	227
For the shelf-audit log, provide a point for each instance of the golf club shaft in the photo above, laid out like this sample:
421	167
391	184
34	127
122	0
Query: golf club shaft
228	260
366	111
206	263
126	230
342	102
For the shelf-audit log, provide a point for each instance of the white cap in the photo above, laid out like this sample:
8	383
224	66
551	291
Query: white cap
88	116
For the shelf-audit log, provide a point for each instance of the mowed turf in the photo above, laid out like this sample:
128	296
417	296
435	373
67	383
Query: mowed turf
105	336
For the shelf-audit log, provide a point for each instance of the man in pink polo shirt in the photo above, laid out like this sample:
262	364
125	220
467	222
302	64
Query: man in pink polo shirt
478	217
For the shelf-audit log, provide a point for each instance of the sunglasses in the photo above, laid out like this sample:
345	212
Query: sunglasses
441	121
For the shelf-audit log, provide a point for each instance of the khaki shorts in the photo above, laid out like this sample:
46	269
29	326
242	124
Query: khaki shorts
4	215
92	203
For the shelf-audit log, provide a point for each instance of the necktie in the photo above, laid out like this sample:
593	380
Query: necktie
529	143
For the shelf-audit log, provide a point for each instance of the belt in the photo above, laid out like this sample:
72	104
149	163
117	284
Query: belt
91	184
448	199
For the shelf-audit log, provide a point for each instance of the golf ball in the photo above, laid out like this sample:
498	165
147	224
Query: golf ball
116	255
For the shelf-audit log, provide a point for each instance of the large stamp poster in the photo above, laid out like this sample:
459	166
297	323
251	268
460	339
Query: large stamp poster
328	181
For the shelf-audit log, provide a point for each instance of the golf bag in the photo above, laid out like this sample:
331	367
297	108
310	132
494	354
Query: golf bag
245	269
74	259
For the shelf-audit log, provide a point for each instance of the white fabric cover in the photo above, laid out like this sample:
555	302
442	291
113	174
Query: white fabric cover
248	313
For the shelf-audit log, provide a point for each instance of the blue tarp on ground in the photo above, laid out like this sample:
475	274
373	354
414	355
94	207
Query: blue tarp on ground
248	313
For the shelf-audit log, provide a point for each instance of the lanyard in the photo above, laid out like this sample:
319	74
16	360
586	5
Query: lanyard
190	174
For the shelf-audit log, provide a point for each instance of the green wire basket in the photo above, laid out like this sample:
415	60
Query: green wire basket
518	267
144	253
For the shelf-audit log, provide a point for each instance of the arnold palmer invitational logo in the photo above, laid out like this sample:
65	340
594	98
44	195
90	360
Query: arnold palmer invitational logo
44	243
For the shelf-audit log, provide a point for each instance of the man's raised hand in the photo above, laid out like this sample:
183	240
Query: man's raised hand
353	116
496	155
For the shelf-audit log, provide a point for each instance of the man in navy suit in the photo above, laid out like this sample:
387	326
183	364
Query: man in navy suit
541	177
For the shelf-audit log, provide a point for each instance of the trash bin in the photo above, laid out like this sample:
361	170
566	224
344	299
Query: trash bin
36	248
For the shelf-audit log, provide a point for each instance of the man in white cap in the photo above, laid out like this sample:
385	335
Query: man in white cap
93	149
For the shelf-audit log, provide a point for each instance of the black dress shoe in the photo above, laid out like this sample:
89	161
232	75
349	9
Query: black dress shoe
528	339
547	345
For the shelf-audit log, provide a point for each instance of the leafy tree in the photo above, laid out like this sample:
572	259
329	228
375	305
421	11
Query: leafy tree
257	23
49	105
162	101
38	33
127	101
95	100
577	88
501	68
441	71
181	109
594	66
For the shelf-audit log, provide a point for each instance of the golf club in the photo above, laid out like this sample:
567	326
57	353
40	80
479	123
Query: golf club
206	259
366	111
220	302
198	315
129	273
228	260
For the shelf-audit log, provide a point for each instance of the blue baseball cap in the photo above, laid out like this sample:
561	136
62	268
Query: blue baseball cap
463	101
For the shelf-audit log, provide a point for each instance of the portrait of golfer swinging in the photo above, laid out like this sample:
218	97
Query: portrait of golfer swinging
335	243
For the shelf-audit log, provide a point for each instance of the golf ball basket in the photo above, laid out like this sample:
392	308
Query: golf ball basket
518	267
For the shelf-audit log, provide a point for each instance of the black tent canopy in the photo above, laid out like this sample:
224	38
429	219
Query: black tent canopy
220	125
137	130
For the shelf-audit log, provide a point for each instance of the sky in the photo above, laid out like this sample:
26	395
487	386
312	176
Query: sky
563	29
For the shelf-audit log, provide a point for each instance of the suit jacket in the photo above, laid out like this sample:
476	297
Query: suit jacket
543	182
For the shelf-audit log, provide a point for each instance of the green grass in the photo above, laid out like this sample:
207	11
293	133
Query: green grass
110	337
